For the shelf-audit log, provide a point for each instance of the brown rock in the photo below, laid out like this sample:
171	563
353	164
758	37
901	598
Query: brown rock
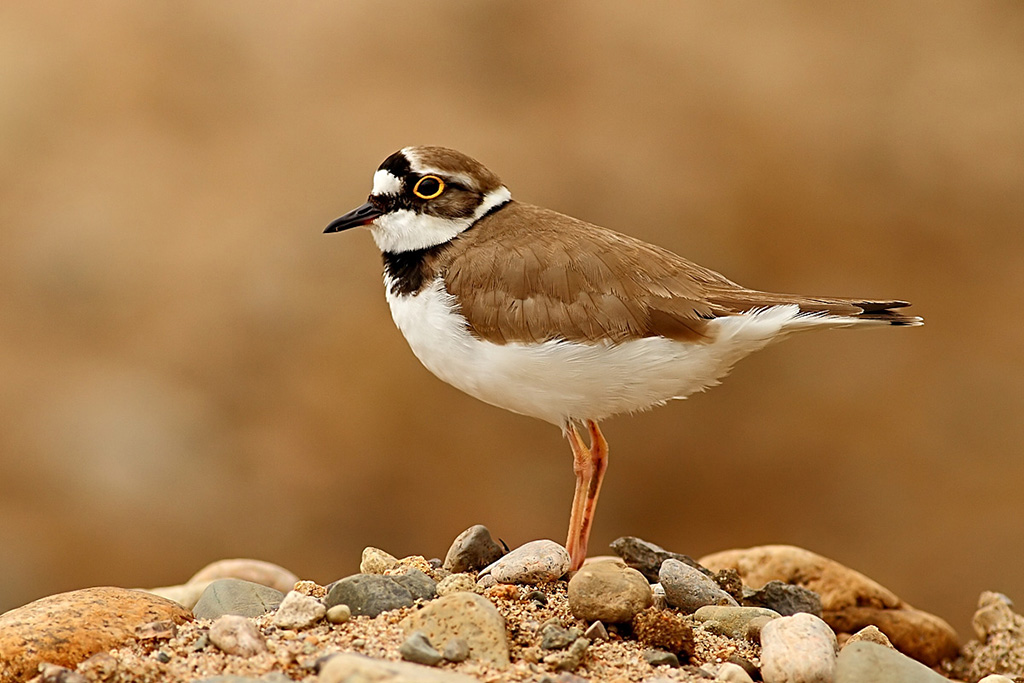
850	600
257	571
67	628
664	630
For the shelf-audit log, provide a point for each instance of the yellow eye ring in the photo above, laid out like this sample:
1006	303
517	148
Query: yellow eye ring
428	187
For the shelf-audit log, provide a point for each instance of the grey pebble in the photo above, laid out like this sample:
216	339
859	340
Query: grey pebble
785	598
571	658
421	586
417	648
456	650
531	563
646	557
556	637
865	662
537	597
472	550
238	597
688	589
661	658
369	594
731	621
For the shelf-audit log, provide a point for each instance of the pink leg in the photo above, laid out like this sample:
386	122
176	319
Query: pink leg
589	464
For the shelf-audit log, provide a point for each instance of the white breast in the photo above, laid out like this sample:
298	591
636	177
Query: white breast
559	381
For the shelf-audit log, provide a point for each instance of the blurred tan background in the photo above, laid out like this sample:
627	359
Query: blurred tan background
191	370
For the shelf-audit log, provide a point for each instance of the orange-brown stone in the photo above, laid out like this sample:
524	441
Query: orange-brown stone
69	627
850	600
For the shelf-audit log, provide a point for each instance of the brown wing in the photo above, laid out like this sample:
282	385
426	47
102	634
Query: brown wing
531	275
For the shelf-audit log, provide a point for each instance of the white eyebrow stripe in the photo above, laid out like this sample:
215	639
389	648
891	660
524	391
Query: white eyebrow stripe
386	183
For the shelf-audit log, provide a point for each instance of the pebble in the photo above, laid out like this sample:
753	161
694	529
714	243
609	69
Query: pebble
869	634
410	563
421	586
571	658
661	658
531	563
256	571
596	631
67	628
537	597
994	614
456	650
664	630
236	596
376	561
369	594
798	649
849	599
339	614
872	663
472	550
235	635
186	595
608	592
157	630
298	611
468	616
733	673
347	667
688	589
734	622
456	583
51	673
554	636
996	678
646	557
785	598
417	648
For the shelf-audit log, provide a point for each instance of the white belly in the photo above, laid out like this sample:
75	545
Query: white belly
558	381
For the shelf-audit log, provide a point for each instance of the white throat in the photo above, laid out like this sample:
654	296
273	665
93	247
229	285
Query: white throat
406	230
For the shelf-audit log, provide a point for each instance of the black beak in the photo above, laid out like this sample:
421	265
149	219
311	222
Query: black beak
355	218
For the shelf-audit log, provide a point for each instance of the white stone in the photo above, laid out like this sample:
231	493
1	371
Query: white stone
298	611
237	635
455	583
531	563
376	561
348	667
798	649
733	673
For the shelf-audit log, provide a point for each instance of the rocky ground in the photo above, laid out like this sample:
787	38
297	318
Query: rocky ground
773	613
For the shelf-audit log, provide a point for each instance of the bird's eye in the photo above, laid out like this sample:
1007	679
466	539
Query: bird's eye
428	187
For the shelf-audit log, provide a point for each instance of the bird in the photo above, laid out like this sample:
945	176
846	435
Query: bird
549	316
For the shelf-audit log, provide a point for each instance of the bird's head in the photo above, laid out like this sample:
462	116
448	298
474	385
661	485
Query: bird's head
423	197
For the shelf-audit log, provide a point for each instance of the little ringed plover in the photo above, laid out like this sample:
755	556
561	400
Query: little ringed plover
549	316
